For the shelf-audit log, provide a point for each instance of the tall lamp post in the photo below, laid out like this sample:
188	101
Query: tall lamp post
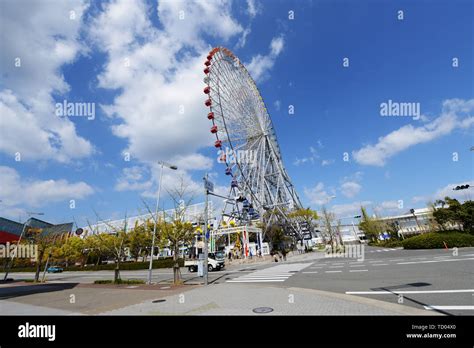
18	244
150	267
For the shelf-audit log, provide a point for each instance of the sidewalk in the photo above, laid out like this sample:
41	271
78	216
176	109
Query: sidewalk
236	299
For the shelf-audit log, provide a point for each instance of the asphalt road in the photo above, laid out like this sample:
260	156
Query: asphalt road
428	279
434	280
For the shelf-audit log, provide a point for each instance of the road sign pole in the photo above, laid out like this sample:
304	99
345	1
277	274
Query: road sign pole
205	231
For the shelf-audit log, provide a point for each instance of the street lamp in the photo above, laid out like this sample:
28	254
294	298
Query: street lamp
18	243
150	267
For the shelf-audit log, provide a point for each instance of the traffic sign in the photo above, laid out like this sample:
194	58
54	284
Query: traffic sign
208	185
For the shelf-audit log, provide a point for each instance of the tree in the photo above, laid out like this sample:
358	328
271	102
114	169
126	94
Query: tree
371	226
306	217
139	239
328	219
45	242
452	213
178	232
275	234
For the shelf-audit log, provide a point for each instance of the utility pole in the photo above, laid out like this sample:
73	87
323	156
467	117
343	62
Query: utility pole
206	215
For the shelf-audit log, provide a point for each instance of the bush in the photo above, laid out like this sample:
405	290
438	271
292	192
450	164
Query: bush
124	266
436	240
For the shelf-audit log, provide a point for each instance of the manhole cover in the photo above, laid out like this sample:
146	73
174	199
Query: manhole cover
261	310
158	301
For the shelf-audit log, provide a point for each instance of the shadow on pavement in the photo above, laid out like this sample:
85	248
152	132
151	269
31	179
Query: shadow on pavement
405	297
18	291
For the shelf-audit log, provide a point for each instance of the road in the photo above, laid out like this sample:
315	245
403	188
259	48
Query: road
431	280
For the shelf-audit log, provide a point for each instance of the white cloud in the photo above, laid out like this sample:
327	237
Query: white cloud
350	189
327	162
260	65
350	209
44	38
160	124
388	207
447	191
456	114
317	195
253	8
16	191
132	180
311	158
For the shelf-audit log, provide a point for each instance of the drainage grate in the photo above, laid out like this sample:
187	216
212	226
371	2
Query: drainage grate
157	301
261	310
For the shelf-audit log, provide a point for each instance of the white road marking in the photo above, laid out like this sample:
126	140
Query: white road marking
256	281
376	261
310	272
278	273
336	266
333	271
357	266
380	264
359	270
459	308
432	261
409	292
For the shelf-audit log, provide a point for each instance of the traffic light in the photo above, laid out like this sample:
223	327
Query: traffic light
461	187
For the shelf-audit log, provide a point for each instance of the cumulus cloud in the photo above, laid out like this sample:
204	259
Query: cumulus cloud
260	65
447	191
34	48
149	64
318	195
350	189
350	209
15	191
456	114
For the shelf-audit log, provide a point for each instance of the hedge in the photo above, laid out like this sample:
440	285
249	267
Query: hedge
124	266
436	240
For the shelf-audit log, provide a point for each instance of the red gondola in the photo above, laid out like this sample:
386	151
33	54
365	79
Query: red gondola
210	116
206	71
208	102
207	63
214	129
218	143
207	90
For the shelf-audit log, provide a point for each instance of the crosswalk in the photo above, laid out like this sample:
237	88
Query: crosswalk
278	273
382	250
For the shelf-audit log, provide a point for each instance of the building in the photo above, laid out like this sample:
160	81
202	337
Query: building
193	213
10	231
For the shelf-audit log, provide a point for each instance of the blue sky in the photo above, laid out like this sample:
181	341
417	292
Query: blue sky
139	62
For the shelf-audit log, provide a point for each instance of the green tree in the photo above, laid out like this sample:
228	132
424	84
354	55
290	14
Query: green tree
304	216
453	213
139	239
371	226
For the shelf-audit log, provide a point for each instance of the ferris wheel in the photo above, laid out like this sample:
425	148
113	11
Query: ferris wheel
246	142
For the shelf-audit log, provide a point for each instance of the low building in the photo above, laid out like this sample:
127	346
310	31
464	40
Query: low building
10	231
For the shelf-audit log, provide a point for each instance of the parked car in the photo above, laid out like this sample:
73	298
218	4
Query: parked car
54	269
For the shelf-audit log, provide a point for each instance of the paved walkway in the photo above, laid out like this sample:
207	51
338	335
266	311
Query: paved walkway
241	299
